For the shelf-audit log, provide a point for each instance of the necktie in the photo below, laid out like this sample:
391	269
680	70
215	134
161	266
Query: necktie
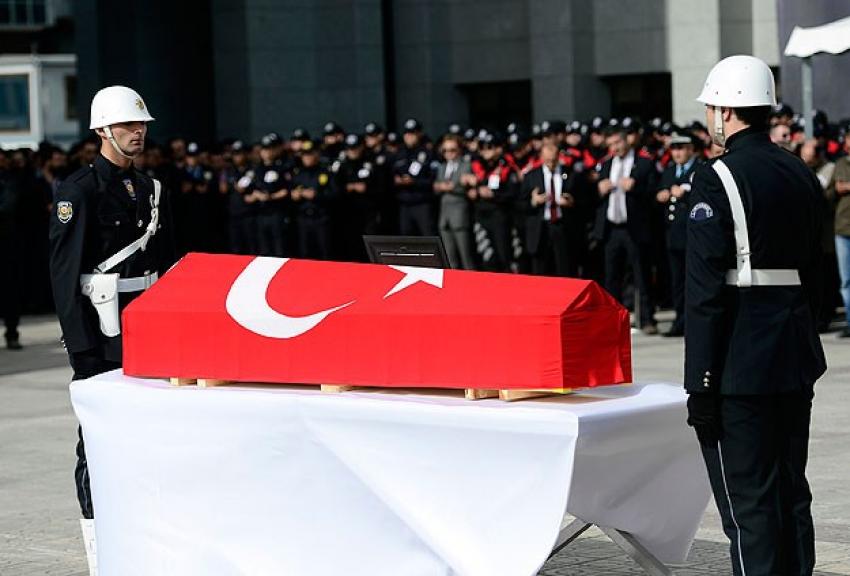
679	171
553	205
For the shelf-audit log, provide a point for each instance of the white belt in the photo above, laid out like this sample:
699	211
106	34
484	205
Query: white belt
766	278
744	275
137	284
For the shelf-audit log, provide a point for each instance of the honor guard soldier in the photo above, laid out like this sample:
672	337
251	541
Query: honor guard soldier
110	239
674	188
752	352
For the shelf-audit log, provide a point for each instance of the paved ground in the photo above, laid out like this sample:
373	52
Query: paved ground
39	531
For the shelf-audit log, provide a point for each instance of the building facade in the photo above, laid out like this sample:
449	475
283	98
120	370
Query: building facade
212	69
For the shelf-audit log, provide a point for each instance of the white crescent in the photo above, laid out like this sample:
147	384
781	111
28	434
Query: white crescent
248	305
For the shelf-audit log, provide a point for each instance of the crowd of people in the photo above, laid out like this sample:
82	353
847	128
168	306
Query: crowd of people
605	200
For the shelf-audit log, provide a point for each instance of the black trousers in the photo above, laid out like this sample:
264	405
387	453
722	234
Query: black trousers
86	366
677	284
758	477
496	221
314	237
416	220
621	252
554	255
271	234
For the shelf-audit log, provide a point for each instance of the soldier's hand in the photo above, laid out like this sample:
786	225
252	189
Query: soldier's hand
663	196
472	194
677	191
704	417
308	193
627	184
296	194
605	186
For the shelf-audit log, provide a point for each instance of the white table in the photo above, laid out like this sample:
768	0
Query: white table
282	480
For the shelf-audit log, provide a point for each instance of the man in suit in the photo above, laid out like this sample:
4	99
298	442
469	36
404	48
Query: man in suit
626	188
547	192
673	191
454	178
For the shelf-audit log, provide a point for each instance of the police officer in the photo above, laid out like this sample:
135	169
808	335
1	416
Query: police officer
413	176
242	214
752	353
673	190
270	195
313	195
356	181
495	196
110	238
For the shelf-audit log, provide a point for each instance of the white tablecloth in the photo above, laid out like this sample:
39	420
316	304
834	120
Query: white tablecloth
283	481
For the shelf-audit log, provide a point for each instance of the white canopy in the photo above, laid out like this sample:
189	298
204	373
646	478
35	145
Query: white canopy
833	38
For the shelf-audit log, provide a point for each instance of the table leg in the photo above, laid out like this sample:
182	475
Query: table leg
629	544
572	531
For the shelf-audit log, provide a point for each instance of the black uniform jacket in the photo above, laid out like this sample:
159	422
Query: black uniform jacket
93	218
676	209
639	201
761	339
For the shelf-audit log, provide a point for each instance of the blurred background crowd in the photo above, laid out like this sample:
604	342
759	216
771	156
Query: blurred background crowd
525	199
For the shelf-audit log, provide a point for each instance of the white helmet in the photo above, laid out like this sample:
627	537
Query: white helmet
115	104
739	82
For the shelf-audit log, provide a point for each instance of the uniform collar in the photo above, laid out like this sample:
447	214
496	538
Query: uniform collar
746	137
106	170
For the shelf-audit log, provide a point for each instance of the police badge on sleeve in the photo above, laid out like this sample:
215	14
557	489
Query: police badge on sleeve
64	211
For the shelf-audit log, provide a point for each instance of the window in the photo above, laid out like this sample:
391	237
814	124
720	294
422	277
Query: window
70	98
493	105
23	13
641	95
14	103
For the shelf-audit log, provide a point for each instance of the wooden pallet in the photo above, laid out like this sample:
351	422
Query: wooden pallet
507	395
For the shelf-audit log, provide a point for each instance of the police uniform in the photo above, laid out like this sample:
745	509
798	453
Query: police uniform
752	353
416	198
495	215
242	215
675	215
100	210
273	214
358	210
313	215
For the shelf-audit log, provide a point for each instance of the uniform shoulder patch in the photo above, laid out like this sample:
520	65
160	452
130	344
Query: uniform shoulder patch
701	211
64	211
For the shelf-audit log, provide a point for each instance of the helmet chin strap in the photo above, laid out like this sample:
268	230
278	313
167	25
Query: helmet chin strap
111	138
719	136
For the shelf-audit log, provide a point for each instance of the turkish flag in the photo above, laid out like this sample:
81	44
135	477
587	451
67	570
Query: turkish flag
257	319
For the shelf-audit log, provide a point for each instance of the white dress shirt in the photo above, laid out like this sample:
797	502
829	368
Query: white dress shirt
620	168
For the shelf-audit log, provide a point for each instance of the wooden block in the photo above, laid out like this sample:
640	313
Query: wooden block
210	382
183	381
479	394
331	389
513	395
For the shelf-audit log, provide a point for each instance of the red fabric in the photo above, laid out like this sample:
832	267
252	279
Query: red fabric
479	330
